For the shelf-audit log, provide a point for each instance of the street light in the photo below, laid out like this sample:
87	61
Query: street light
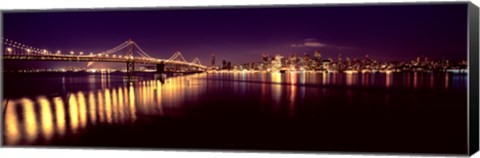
59	52
81	53
9	50
28	51
71	52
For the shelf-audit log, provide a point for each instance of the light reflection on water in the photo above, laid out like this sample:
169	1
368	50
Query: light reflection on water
412	80
11	129
27	121
92	107
73	107
47	117
60	116
30	121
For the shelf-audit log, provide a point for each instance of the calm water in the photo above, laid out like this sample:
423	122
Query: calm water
394	112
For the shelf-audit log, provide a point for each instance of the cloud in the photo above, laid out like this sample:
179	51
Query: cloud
309	42
314	44
297	45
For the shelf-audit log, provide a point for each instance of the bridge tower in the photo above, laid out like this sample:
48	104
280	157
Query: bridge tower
161	68
130	59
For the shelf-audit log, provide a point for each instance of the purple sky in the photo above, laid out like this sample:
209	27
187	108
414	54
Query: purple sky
396	32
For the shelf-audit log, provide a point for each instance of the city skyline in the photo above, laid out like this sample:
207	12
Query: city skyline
242	35
23	53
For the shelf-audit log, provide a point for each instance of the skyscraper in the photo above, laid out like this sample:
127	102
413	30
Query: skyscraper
213	60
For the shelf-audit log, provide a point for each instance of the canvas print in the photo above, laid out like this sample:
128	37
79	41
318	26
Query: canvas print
334	78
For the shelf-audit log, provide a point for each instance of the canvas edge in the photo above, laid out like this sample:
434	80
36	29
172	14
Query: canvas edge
1	78
244	6
473	88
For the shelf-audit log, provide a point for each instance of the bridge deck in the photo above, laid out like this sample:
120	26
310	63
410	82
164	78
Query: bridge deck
94	58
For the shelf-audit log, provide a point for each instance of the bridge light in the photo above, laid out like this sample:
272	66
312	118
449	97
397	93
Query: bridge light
81	53
9	50
28	51
91	53
114	56
71	52
59	52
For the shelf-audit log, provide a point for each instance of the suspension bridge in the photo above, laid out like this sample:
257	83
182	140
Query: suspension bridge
128	52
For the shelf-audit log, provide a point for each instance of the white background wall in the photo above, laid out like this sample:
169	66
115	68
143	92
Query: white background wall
90	153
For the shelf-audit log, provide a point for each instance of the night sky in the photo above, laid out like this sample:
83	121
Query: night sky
389	33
